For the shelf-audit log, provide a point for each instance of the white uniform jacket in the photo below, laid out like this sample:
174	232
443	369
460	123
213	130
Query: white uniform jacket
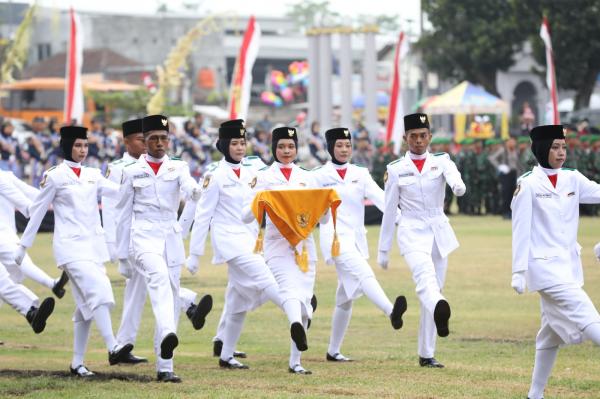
109	205
421	199
78	233
220	208
353	189
544	227
12	196
271	178
148	209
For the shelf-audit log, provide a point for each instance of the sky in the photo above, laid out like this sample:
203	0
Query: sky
405	9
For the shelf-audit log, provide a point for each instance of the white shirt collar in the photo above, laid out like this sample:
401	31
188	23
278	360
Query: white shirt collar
150	158
418	157
284	165
549	172
72	164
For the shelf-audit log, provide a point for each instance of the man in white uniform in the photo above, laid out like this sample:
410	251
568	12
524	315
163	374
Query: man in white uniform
16	295
9	241
134	296
355	276
417	184
546	256
150	194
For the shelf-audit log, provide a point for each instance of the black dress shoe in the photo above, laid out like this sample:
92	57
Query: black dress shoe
167	376
308	323
130	358
299	336
81	371
116	357
168	344
313	302
197	313
218	347
430	362
441	315
37	316
297	369
59	287
232	364
397	312
337	357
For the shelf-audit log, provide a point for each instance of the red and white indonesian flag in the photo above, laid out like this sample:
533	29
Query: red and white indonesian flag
395	122
74	89
241	81
550	72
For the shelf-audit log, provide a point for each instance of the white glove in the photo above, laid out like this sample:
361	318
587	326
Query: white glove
519	282
383	260
192	263
597	251
20	253
504	169
125	268
459	189
112	251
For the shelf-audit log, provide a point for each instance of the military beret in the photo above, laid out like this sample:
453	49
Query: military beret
523	139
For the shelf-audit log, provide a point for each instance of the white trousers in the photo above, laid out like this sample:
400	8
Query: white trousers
16	295
429	275
162	283
27	269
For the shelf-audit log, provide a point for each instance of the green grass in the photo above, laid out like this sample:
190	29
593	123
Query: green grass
489	353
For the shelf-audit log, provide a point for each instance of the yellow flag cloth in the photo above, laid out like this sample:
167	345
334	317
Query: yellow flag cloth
295	213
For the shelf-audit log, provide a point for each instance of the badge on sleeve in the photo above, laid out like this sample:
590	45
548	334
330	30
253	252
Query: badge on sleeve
206	181
252	184
517	190
385	177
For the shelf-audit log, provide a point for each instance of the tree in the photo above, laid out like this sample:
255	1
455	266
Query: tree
575	41
471	39
312	14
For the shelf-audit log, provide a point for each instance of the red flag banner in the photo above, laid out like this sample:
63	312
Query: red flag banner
550	71
73	110
395	122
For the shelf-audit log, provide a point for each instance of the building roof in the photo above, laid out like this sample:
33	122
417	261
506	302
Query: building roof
94	61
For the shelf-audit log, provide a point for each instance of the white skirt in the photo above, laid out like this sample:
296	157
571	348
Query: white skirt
293	283
351	269
248	277
90	286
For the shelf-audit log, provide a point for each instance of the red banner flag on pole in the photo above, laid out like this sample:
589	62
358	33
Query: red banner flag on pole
395	122
550	71
73	88
241	81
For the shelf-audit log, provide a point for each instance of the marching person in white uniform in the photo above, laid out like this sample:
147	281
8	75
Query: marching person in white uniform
355	277
150	194
16	295
9	241
226	188
295	287
546	256
79	246
416	183
134	295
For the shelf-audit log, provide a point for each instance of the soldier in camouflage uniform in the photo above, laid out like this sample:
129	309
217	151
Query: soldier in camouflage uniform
466	163
526	158
490	188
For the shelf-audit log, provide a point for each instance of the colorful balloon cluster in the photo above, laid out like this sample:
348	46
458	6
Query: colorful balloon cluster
283	85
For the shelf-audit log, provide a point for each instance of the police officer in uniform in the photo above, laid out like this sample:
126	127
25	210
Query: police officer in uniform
353	184
546	256
79	246
227	186
150	195
417	183
134	296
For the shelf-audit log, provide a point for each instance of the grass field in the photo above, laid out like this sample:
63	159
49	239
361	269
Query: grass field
489	353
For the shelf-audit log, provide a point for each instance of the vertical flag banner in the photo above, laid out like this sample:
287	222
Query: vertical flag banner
550	72
241	81
395	122
73	88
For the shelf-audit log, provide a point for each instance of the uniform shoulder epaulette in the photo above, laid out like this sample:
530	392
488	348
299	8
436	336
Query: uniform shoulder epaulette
212	166
175	159
303	168
52	168
396	161
439	154
246	164
129	164
263	168
317	167
525	175
359	165
251	157
571	169
117	161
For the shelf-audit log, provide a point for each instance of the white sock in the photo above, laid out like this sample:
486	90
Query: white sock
592	332
234	324
339	325
293	310
104	324
544	361
372	290
30	270
81	334
272	293
295	354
